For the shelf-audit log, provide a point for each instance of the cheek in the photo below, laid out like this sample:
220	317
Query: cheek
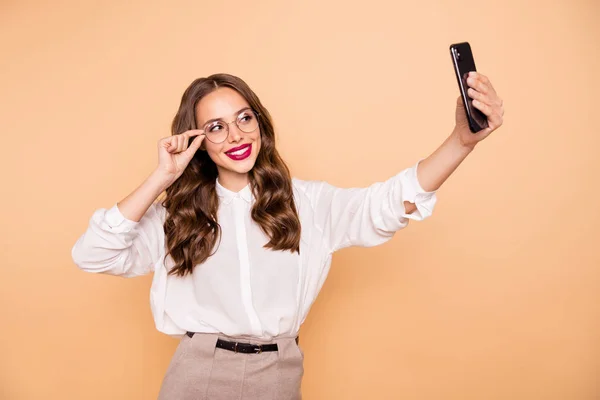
258	142
214	152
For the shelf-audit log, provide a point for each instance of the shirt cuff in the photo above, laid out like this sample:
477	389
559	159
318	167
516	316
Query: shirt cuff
413	192
115	221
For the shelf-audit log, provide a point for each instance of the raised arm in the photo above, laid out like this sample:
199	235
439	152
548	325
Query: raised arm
366	216
370	216
128	239
435	169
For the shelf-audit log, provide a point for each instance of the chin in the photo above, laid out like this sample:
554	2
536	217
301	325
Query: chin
242	167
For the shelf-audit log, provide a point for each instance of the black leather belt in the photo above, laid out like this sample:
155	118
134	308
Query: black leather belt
248	348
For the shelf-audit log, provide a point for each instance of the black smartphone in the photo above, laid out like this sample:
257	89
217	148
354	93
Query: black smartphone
462	58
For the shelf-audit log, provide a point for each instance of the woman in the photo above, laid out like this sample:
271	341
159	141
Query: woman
239	249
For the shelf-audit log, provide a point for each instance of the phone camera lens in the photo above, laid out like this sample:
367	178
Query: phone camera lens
458	55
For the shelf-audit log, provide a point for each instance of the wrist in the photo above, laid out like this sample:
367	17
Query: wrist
456	138
160	180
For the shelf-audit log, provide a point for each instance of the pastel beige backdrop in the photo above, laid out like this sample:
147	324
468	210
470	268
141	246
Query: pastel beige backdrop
494	297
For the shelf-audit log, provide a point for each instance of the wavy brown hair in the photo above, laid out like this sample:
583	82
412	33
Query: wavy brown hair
191	228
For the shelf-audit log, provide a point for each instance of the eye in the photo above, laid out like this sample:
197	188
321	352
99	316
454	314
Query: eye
246	117
215	127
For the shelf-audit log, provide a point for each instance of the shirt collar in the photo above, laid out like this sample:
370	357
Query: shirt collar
227	195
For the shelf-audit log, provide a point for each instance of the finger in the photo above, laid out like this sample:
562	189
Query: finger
486	131
181	143
185	140
484	108
493	114
480	83
494	122
477	84
494	102
195	132
490	99
163	143
187	135
168	143
195	145
486	81
474	94
175	144
172	148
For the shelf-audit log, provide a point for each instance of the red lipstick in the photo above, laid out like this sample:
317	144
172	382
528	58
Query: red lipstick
241	152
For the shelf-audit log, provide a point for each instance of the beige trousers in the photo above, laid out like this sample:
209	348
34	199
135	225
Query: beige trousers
201	371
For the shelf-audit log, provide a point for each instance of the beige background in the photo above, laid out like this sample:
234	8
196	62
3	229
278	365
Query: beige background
494	297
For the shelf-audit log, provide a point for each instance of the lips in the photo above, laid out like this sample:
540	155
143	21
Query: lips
239	153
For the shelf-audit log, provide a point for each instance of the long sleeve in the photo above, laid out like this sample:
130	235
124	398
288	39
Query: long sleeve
115	245
367	216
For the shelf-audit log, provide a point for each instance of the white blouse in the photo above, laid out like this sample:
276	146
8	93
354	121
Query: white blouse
244	289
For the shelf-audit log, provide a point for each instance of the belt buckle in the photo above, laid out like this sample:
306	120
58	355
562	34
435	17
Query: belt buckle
259	348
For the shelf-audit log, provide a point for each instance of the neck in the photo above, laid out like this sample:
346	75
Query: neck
233	181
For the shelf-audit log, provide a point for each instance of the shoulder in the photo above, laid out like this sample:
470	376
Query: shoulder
311	191
306	189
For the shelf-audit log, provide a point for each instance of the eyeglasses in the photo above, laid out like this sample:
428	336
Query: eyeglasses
217	131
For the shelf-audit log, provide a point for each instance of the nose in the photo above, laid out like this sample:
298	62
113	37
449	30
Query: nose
235	135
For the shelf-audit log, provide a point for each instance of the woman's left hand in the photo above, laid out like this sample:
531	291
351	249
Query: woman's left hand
487	101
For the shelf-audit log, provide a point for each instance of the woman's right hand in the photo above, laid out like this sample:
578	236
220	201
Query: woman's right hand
174	154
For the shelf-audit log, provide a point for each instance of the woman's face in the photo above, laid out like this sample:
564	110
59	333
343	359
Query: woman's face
237	154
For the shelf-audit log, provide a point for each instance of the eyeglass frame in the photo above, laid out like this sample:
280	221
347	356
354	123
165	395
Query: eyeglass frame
256	114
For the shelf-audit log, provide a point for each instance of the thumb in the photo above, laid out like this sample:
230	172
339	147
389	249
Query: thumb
194	146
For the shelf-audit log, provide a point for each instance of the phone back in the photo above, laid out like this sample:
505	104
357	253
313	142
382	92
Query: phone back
462	58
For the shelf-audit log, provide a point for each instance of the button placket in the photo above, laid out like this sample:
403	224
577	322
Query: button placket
239	210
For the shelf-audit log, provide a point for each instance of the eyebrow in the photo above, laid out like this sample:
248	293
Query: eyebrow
220	119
